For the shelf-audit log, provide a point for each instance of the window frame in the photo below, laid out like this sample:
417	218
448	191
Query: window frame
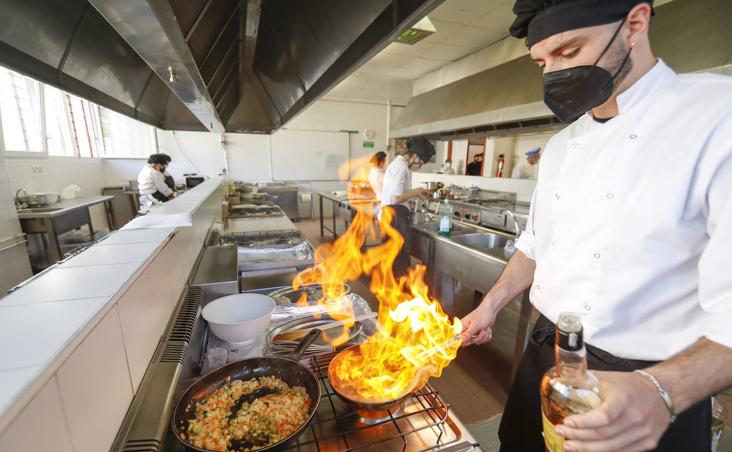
43	154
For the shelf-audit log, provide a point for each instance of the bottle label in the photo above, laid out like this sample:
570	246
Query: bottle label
553	442
445	224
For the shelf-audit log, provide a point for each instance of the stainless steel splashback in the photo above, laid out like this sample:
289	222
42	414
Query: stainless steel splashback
234	65
688	35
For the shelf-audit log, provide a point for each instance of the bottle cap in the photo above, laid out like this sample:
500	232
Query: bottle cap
569	332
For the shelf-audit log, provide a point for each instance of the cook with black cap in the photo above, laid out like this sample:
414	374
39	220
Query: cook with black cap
397	191
630	227
151	181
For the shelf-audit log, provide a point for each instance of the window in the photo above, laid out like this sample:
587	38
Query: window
72	124
37	119
126	137
20	113
58	132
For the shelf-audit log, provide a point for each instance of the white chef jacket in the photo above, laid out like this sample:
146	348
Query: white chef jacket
524	170
631	220
150	180
397	181
376	180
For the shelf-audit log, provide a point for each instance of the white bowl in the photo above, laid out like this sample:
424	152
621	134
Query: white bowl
239	318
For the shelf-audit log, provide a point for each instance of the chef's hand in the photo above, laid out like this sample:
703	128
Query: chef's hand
477	326
423	192
632	417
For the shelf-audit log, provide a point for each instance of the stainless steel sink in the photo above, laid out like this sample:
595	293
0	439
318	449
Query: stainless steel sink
39	209
434	226
481	241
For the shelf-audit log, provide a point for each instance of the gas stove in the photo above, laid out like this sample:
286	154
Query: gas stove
424	423
255	211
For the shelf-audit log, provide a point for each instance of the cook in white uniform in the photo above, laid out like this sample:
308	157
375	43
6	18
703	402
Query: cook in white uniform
151	181
397	191
630	227
447	168
528	168
376	173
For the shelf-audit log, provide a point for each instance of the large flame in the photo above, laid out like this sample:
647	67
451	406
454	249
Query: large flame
415	338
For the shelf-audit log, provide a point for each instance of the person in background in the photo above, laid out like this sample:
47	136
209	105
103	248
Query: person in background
169	181
447	168
151	181
397	191
527	169
474	168
376	174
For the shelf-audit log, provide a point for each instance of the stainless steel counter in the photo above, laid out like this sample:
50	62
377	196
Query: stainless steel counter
58	218
474	257
61	208
258	224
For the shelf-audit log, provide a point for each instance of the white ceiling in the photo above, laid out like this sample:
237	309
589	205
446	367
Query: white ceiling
463	26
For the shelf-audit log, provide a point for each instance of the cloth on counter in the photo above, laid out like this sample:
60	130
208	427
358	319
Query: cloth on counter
152	221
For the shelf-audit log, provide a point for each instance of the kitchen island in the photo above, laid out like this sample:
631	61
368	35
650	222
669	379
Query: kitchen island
78	337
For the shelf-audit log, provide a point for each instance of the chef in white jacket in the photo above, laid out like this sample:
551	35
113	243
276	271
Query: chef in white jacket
630	227
528	168
151	181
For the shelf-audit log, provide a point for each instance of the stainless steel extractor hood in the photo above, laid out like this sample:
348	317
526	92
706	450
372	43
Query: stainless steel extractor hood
233	65
688	35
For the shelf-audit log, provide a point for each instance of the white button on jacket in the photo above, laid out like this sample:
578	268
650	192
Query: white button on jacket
655	260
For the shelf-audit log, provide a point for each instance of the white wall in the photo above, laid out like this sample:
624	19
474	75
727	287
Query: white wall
191	152
54	173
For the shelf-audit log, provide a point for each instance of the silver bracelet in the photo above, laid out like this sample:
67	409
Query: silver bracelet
662	392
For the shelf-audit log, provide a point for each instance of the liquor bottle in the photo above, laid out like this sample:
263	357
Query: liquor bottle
445	214
568	388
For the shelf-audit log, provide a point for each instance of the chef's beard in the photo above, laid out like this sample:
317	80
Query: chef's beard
616	55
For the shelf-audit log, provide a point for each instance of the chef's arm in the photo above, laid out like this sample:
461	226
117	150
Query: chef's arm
699	371
410	194
515	278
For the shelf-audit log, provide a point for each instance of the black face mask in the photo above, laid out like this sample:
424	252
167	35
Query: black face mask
572	92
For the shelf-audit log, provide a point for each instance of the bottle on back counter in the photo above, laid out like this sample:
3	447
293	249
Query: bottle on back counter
568	388
445	213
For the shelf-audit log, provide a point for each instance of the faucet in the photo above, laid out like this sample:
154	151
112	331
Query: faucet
515	222
18	203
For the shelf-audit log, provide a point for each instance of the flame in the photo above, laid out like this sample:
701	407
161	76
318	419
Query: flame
415	339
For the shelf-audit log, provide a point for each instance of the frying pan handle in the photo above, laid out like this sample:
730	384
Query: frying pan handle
305	342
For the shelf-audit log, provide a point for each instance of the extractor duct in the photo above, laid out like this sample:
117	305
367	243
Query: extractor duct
509	98
233	65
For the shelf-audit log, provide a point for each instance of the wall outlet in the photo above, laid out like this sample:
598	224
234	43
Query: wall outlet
37	169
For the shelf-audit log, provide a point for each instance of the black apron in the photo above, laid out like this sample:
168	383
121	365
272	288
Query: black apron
521	426
160	197
401	222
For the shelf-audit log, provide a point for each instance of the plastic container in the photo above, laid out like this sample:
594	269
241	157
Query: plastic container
239	318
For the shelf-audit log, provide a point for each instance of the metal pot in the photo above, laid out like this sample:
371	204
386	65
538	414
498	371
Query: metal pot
433	186
36	199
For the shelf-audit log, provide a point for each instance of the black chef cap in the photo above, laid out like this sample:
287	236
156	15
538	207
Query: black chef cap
422	147
538	19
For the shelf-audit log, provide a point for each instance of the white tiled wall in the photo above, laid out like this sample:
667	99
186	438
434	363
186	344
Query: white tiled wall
54	173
